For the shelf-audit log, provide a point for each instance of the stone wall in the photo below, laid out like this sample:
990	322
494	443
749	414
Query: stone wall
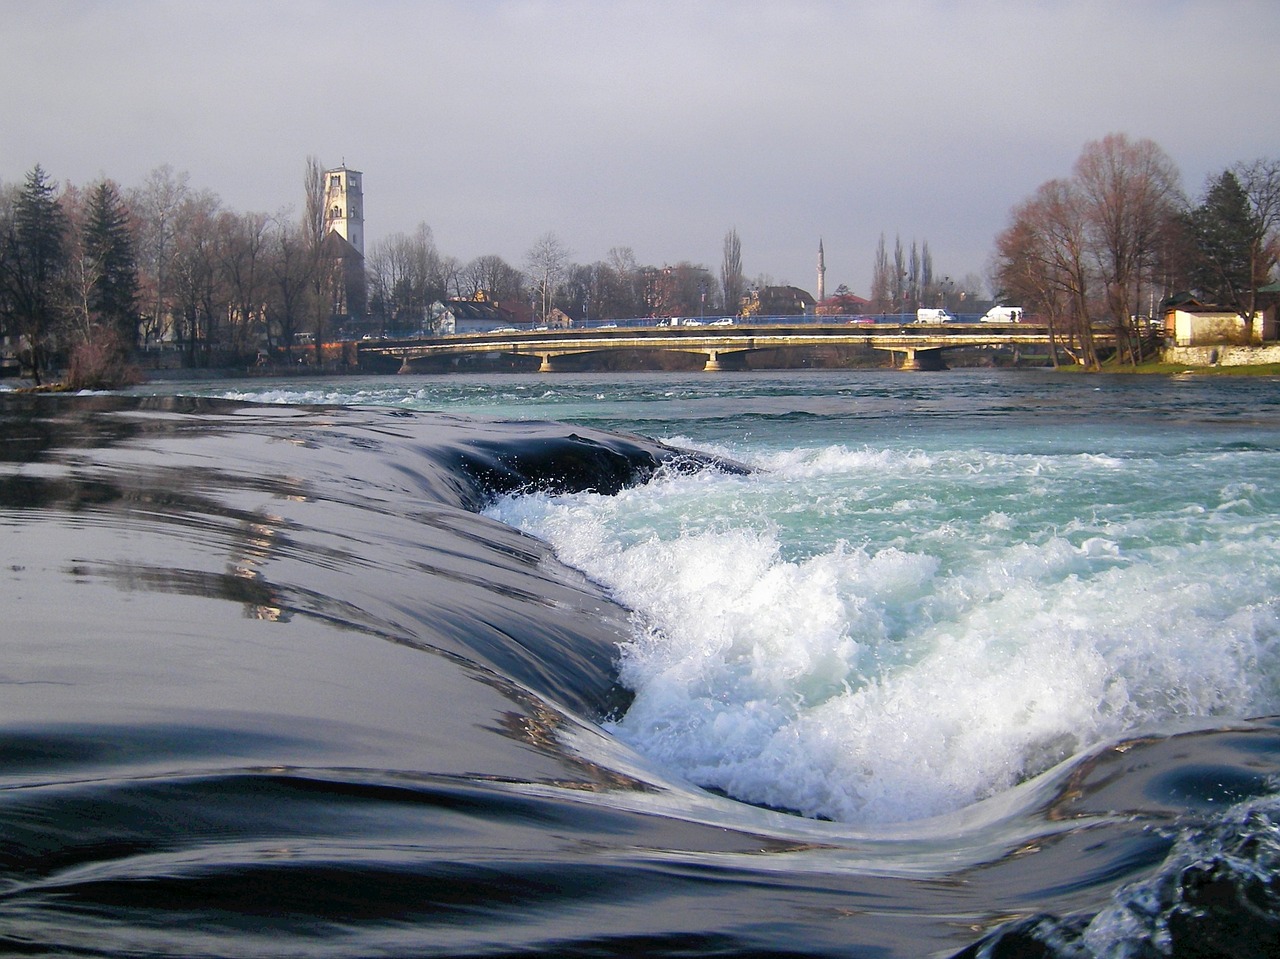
1223	354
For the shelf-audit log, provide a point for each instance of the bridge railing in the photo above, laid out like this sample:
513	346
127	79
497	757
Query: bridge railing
809	319
867	320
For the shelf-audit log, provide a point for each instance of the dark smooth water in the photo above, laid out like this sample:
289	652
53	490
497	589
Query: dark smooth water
271	685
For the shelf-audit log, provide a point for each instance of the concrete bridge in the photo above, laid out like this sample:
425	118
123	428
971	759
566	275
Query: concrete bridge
724	347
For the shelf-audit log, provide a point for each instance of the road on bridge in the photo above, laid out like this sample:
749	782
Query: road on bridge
920	343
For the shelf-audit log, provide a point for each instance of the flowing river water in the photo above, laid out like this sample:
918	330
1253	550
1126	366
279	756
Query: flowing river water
815	663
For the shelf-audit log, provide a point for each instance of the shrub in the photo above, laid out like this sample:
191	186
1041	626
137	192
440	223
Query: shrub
101	363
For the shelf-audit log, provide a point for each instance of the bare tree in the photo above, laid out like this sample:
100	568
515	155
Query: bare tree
291	287
1044	260
242	240
1108	228
928	288
899	279
1261	182
200	299
914	289
546	263
313	213
677	290
579	294
83	266
881	279
732	282
155	204
1130	192
625	294
1024	271
493	276
407	274
327	273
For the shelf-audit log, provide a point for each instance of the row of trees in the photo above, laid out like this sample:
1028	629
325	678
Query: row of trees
67	262
1102	247
407	274
90	275
98	272
908	281
103	271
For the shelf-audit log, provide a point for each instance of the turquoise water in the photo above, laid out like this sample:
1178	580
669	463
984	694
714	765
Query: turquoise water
930	587
964	664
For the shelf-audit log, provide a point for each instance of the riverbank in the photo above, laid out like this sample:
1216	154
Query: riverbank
1255	369
1219	360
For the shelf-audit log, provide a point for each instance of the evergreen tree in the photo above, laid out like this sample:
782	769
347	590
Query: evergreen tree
109	243
1223	229
32	265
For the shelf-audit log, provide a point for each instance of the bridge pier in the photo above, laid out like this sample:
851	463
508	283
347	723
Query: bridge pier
930	359
405	365
718	360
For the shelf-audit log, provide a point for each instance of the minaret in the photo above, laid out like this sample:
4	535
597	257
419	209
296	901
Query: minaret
822	273
344	206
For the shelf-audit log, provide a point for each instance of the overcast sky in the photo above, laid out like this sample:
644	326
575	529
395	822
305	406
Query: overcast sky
650	124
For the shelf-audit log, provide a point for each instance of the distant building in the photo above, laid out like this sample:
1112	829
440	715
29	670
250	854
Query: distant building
344	205
470	316
843	304
348	287
777	301
1191	323
343	244
523	315
558	319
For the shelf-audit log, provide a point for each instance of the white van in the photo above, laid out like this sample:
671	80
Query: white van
934	316
1003	314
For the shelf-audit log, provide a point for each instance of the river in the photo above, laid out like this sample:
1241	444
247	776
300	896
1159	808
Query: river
814	663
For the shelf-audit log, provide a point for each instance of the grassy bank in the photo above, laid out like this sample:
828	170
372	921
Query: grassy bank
1159	366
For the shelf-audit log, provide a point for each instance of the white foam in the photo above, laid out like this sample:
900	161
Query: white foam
862	635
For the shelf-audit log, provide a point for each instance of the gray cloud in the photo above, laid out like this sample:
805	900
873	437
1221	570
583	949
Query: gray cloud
656	125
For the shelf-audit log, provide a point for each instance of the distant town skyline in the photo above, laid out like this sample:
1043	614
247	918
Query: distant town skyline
657	126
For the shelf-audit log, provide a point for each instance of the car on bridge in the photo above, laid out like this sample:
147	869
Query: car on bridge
1003	314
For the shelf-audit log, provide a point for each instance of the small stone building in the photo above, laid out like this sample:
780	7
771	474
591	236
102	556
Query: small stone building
777	301
1191	323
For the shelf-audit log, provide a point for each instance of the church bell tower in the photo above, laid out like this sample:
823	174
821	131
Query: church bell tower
344	206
